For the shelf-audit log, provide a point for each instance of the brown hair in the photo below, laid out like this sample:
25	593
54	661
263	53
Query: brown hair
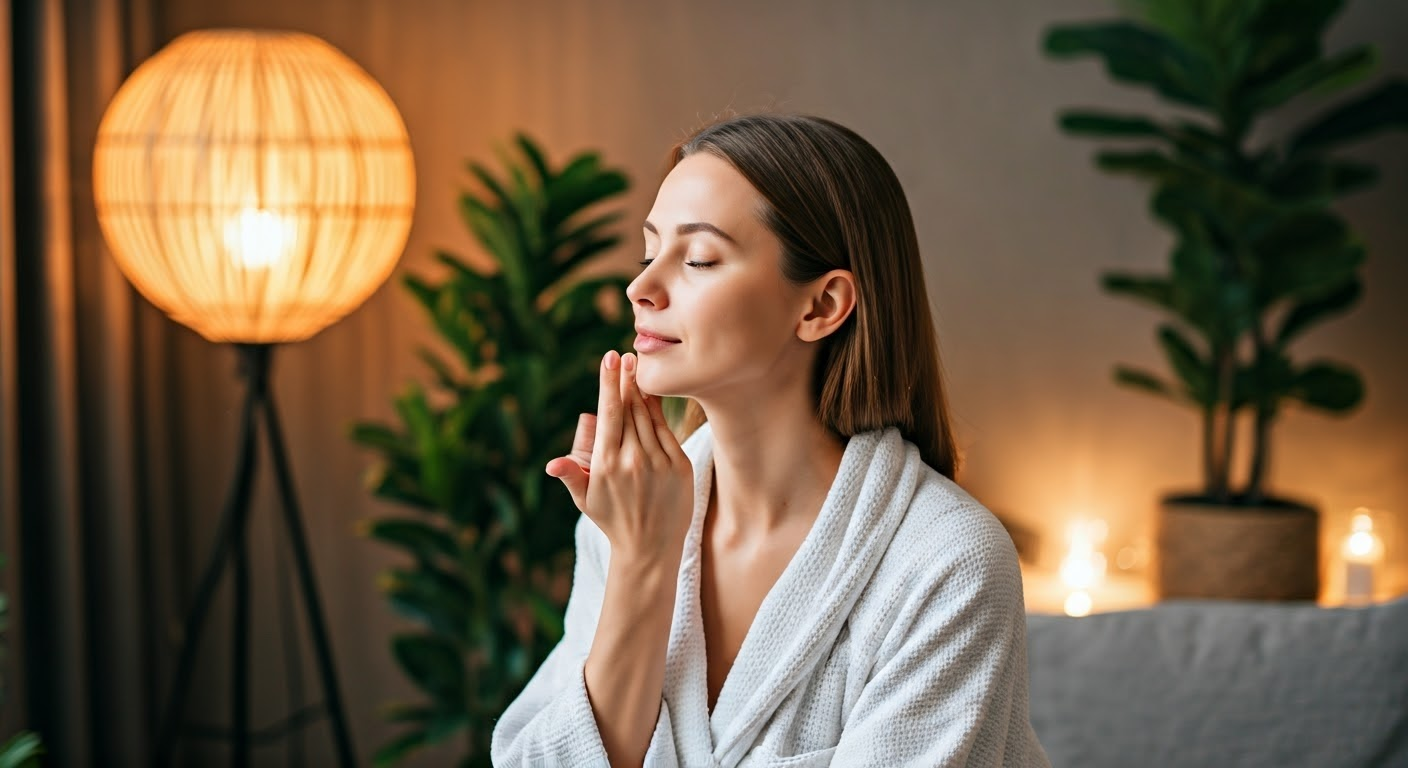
835	203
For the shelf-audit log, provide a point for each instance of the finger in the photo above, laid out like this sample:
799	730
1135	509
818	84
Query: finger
573	476
666	436
661	426
608	408
640	413
584	439
628	419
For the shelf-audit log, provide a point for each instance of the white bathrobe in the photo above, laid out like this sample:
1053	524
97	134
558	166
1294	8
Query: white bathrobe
895	637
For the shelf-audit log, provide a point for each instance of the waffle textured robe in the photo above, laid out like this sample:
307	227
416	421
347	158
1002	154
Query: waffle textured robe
895	636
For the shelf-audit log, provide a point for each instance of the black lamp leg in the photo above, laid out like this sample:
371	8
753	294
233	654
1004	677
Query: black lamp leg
239	681
234	520
232	542
323	648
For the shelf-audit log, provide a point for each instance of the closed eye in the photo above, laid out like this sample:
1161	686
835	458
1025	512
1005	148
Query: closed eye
695	264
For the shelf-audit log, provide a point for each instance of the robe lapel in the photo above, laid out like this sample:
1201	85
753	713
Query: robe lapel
686	665
802	615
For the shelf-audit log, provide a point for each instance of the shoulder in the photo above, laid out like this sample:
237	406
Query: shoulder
946	529
950	556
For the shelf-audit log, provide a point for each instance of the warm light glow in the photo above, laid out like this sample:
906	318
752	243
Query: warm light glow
256	239
1362	545
1127	558
1078	603
1084	566
257	186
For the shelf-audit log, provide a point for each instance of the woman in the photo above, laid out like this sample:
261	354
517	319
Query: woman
801	582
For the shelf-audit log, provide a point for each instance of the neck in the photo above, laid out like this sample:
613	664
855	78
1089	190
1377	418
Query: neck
774	462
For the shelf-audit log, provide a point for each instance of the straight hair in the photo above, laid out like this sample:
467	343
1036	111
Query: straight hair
834	203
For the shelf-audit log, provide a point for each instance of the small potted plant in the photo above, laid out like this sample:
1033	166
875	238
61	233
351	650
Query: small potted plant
1260	255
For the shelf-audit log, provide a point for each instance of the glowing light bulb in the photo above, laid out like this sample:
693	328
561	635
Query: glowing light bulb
259	239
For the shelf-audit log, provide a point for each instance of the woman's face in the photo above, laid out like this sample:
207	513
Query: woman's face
713	312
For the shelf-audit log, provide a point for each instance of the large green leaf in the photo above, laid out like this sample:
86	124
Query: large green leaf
1328	387
435	597
1307	313
1208	293
578	306
382	438
1265	382
534	153
1383	108
1155	291
1190	211
434	664
401	485
589	231
422	540
1193	370
1138	55
1283	34
400	747
23	750
1145	381
1313	180
435	463
1305	256
1089	122
1317	76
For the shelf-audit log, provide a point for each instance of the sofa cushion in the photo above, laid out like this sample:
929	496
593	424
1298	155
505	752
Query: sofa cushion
1216	683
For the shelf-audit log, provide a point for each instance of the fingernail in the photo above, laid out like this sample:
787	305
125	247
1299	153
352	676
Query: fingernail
611	359
629	361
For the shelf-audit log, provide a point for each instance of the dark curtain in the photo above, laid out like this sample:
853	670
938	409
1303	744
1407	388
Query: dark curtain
84	369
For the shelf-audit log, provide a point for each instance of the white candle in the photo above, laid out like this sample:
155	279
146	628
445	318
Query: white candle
1361	552
1083	567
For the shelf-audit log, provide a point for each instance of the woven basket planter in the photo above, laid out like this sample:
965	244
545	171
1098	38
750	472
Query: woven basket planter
1237	552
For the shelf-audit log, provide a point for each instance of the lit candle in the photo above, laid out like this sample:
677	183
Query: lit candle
1361	551
1083	567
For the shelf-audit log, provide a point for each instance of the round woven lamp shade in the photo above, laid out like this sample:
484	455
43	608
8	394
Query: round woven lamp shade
255	185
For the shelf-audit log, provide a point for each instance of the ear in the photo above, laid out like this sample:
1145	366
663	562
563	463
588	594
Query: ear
831	299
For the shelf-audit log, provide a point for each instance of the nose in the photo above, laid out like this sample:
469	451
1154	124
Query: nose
646	291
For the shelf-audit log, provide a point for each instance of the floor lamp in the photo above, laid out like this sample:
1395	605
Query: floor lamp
256	186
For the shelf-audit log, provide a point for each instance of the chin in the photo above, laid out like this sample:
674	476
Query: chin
651	383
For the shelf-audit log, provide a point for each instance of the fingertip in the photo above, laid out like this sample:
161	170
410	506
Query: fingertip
611	360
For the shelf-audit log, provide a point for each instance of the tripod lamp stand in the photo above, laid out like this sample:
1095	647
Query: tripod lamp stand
256	186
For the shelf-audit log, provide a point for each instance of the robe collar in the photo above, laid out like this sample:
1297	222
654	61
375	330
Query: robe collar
802	615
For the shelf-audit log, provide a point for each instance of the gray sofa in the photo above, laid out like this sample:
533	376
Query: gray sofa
1209	684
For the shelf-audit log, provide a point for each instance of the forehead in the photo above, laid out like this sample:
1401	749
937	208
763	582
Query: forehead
703	187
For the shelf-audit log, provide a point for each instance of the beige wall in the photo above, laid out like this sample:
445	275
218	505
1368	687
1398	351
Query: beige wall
1015	225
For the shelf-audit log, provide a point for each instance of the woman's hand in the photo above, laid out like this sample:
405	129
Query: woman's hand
627	472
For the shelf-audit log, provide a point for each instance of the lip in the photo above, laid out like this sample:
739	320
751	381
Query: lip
643	331
647	341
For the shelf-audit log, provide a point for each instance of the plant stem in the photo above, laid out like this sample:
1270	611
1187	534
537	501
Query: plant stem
1210	444
1265	414
1223	428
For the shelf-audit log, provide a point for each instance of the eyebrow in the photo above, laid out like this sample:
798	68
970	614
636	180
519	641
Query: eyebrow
695	226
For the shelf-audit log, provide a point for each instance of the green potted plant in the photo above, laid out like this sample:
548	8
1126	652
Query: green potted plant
489	536
1260	255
